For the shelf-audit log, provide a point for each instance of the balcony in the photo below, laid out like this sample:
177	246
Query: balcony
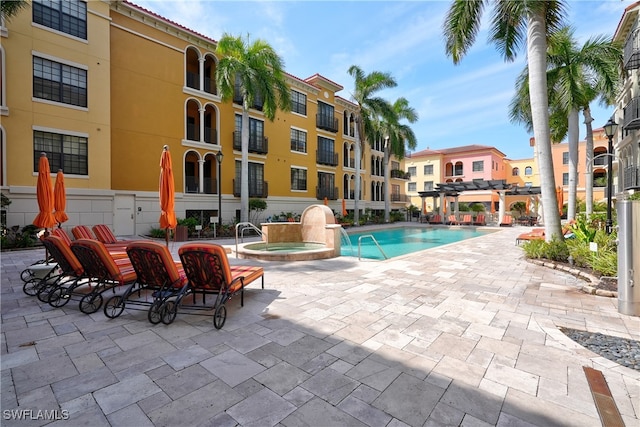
403	198
327	158
631	177
210	186
191	184
210	135
632	115
352	195
400	174
193	80
331	193
632	50
325	122
258	145
350	163
193	132
258	189
210	86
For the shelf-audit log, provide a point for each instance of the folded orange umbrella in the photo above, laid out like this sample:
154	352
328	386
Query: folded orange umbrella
167	193
44	194
60	199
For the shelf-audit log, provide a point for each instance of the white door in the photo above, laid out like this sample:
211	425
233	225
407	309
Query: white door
123	221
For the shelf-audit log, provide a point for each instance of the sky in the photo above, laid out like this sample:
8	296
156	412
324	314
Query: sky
457	105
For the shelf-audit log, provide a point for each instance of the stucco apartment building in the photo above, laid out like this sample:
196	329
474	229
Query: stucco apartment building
102	86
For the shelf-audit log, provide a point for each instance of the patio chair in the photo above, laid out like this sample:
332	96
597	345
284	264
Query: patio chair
209	272
435	219
102	273
507	221
160	284
480	220
452	220
82	232
535	234
106	236
466	219
69	269
62	234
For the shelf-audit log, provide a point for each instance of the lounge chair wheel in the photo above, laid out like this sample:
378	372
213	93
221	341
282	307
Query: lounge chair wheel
90	303
169	313
219	317
155	312
44	291
114	307
31	287
59	297
26	275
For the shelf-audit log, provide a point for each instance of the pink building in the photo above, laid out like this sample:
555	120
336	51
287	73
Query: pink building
471	162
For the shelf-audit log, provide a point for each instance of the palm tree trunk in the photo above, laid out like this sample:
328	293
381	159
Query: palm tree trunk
387	172
356	197
536	54
244	168
588	175
574	132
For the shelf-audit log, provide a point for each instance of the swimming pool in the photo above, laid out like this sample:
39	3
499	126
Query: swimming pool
404	240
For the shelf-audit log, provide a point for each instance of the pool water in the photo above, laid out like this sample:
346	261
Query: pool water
405	240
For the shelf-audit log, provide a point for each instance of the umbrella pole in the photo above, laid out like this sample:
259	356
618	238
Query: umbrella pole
166	236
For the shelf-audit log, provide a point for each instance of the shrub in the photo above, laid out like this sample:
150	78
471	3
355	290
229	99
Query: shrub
157	233
555	250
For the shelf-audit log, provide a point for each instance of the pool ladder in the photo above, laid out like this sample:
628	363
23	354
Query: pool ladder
374	241
245	226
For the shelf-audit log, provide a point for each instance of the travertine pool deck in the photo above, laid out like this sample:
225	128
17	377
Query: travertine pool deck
465	334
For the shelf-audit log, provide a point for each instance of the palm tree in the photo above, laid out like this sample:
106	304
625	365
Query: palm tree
512	23
9	9
576	76
398	137
258	71
370	107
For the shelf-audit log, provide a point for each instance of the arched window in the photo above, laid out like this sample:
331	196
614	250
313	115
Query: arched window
192	172
448	168
192	68
528	171
210	65
599	157
210	124
457	170
193	120
515	172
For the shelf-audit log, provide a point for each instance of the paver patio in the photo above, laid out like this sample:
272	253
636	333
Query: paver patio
465	334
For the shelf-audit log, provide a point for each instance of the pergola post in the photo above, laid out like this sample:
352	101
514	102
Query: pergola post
501	206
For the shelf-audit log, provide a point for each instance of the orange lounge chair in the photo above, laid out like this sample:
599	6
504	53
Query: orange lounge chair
117	250
507	221
209	272
480	220
466	219
435	219
535	234
452	220
82	232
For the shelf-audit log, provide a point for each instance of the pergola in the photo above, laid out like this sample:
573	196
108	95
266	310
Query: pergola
453	189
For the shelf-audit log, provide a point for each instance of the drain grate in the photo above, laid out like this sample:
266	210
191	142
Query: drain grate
607	409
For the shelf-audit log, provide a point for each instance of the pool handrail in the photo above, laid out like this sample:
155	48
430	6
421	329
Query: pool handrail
374	241
244	226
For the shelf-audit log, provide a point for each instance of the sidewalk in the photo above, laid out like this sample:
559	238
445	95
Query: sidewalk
465	334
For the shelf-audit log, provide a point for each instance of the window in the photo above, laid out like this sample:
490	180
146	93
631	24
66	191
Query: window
325	118
326	154
68	16
298	102
298	140
412	170
66	152
477	166
298	179
515	172
326	186
528	184
428	186
565	158
457	169
257	186
528	171
257	141
565	179
428	170
411	187
59	82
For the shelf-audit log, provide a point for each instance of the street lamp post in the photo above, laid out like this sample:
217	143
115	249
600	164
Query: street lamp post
219	157
610	130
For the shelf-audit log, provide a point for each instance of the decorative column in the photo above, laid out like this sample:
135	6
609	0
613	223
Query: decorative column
201	176
501	206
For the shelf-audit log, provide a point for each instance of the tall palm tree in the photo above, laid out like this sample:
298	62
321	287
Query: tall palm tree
576	76
8	9
370	107
260	73
398	136
513	23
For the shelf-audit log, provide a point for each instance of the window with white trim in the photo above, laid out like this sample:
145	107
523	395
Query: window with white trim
66	152
67	16
298	179
58	82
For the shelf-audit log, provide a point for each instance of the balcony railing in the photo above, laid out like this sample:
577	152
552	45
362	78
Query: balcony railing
258	145
210	135
331	193
210	86
191	184
632	50
210	186
193	132
352	195
632	115
193	80
350	163
326	122
397	173
400	198
631	177
259	189
326	158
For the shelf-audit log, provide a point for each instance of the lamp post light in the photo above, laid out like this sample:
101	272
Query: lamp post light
219	157
610	130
